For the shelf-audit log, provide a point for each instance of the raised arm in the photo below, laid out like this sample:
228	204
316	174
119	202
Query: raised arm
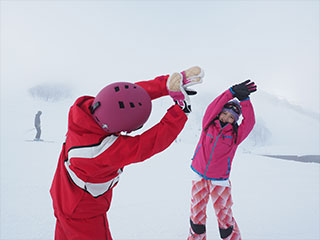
242	92
155	88
248	120
161	86
127	149
215	107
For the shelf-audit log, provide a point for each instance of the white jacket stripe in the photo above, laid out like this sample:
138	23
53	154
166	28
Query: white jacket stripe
95	189
93	151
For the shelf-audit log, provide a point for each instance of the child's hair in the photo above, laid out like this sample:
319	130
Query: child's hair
235	127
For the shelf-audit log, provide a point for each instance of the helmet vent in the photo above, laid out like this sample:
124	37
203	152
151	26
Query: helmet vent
132	105
126	86
121	105
140	104
116	89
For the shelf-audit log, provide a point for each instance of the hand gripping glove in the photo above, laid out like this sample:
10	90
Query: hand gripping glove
243	90
177	92
192	76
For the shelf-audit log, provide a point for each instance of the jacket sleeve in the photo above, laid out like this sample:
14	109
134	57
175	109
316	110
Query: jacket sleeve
215	107
248	120
127	149
155	88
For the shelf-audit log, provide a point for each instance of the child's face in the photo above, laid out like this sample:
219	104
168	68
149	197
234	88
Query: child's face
226	117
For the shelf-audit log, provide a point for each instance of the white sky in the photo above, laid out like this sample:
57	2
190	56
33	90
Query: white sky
88	44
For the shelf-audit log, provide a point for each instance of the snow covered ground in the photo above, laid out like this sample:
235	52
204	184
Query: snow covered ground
76	47
273	198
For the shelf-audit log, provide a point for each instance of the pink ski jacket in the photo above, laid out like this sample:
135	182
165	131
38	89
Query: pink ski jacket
216	148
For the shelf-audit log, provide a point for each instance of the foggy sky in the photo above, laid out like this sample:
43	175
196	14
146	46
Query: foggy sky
88	44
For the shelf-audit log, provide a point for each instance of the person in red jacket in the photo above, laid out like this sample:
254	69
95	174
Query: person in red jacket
213	157
97	148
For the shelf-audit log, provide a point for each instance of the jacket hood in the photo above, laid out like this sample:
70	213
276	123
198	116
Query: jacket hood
81	119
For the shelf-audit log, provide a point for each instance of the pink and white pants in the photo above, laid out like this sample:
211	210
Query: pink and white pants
222	202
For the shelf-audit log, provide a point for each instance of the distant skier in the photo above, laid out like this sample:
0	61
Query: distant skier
95	151
213	157
37	125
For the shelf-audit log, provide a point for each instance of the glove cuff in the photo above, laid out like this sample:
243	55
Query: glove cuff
248	98
231	90
185	107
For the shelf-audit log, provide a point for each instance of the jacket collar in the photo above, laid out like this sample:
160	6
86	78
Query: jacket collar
225	128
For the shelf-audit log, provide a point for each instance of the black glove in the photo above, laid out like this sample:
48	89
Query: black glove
243	90
186	107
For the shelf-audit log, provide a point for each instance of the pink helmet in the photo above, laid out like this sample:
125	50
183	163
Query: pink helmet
121	106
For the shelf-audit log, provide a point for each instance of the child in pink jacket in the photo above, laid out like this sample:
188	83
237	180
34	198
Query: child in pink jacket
212	160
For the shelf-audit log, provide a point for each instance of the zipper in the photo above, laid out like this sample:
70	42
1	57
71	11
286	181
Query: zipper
214	145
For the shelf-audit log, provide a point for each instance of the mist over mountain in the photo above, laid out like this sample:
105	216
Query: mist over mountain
287	104
284	127
50	92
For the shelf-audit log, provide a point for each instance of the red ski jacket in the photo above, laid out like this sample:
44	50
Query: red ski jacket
91	160
216	148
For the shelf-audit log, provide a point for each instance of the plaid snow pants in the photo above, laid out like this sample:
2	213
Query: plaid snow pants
222	202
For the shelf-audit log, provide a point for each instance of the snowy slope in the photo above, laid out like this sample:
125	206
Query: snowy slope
274	199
